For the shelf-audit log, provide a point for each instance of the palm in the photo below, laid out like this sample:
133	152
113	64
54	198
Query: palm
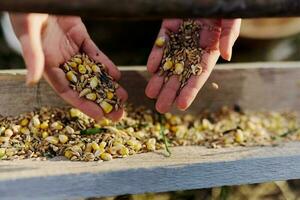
216	37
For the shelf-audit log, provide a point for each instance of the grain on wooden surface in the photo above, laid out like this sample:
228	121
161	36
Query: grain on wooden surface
269	86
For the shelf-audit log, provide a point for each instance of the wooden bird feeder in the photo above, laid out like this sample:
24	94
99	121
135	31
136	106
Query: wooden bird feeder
255	86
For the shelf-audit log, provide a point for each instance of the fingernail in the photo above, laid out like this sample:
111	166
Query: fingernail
229	55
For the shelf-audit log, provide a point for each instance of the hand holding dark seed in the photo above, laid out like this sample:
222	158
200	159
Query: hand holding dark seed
183	57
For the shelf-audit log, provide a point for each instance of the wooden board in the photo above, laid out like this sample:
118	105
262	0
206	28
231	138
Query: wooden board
267	86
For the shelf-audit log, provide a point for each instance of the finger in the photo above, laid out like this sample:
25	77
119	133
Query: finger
56	78
209	34
230	33
168	94
28	28
90	48
116	115
154	86
122	94
195	83
156	54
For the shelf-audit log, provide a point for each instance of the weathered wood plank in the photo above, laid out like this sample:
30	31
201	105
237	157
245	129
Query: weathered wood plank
187	168
259	86
157	8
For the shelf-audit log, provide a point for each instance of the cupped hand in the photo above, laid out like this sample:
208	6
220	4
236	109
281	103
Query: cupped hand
217	37
47	42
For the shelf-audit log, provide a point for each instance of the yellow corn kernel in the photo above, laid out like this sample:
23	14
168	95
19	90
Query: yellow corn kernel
99	152
68	154
2	152
71	77
157	127
167	126
57	126
160	41
73	65
95	68
52	140
174	128
25	131
168	65
95	146
178	68
110	95
45	134
91	96
88	148
175	120
106	156
106	107
124	151
150	144
74	113
77	60
239	136
97	126
44	125
8	133
104	122
82	69
24	122
102	145
94	82
63	139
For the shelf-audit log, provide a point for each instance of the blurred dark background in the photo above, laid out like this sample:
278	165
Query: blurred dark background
130	42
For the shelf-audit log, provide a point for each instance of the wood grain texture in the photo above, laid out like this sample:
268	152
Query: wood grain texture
187	168
157	8
259	86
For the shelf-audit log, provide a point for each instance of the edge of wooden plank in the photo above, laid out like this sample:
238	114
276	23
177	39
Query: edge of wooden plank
188	168
229	66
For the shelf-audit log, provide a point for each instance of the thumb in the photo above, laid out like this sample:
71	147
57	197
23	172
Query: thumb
28	28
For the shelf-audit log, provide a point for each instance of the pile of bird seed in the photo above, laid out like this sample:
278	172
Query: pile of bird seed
51	132
182	53
91	81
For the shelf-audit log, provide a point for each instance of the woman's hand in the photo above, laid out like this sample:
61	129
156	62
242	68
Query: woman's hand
217	37
47	42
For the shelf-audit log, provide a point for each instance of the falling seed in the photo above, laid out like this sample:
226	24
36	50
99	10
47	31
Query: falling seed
215	86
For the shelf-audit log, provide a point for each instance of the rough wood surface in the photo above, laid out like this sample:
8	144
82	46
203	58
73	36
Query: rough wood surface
157	8
259	86
267	86
187	168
